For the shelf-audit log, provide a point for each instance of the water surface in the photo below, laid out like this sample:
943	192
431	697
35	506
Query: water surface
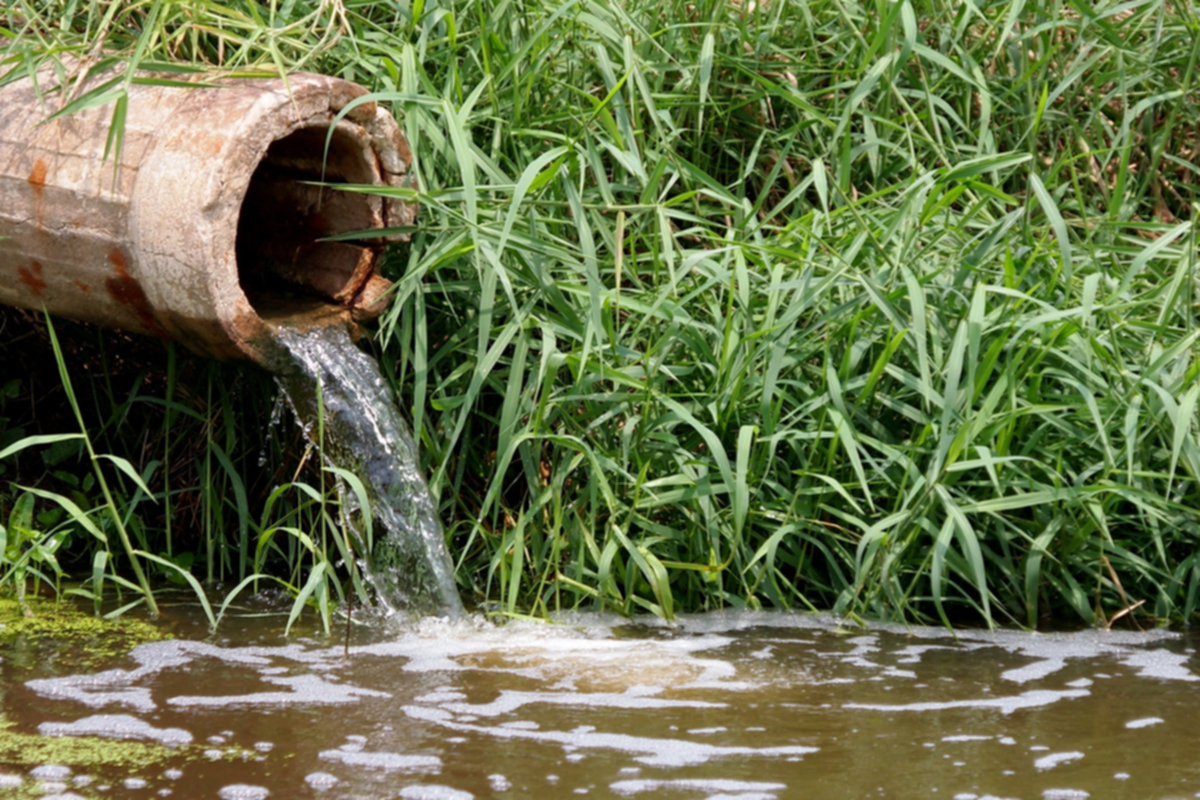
720	706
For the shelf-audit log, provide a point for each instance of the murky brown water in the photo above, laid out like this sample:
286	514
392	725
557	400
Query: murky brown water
721	706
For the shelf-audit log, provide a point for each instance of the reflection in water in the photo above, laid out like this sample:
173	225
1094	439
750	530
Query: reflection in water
719	706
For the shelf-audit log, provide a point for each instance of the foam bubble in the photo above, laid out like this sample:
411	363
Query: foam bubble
1145	722
116	726
1035	671
384	761
1054	759
321	780
51	772
304	690
10	781
1006	705
499	783
657	752
135	783
630	787
434	792
1161	664
242	791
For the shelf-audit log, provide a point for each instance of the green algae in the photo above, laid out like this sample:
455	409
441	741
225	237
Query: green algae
85	755
64	630
80	753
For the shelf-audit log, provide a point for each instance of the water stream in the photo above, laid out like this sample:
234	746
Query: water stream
737	705
334	381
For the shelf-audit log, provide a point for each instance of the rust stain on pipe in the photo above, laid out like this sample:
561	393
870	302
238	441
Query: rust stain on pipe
37	176
123	288
32	279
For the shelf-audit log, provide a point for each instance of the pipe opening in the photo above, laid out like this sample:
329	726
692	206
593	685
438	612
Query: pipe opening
279	256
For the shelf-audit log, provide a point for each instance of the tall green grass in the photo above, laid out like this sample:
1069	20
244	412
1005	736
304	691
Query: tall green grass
885	307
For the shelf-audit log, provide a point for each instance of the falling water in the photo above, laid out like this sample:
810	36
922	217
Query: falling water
365	434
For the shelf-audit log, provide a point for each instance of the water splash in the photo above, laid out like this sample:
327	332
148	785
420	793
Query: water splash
365	434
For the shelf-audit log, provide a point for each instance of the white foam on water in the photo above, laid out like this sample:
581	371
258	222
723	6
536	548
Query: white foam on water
743	796
1054	759
116	726
1145	722
434	792
308	690
1162	664
631	787
1065	794
510	701
1035	671
321	780
173	774
264	747
63	796
135	783
242	791
1005	705
384	760
1121	776
912	653
656	752
499	783
52	787
10	781
82	780
50	772
965	737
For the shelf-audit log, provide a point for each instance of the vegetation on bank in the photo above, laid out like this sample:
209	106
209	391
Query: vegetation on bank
884	307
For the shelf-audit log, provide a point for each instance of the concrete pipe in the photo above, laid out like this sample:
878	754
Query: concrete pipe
208	226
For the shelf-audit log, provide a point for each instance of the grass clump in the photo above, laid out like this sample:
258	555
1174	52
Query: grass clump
886	307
